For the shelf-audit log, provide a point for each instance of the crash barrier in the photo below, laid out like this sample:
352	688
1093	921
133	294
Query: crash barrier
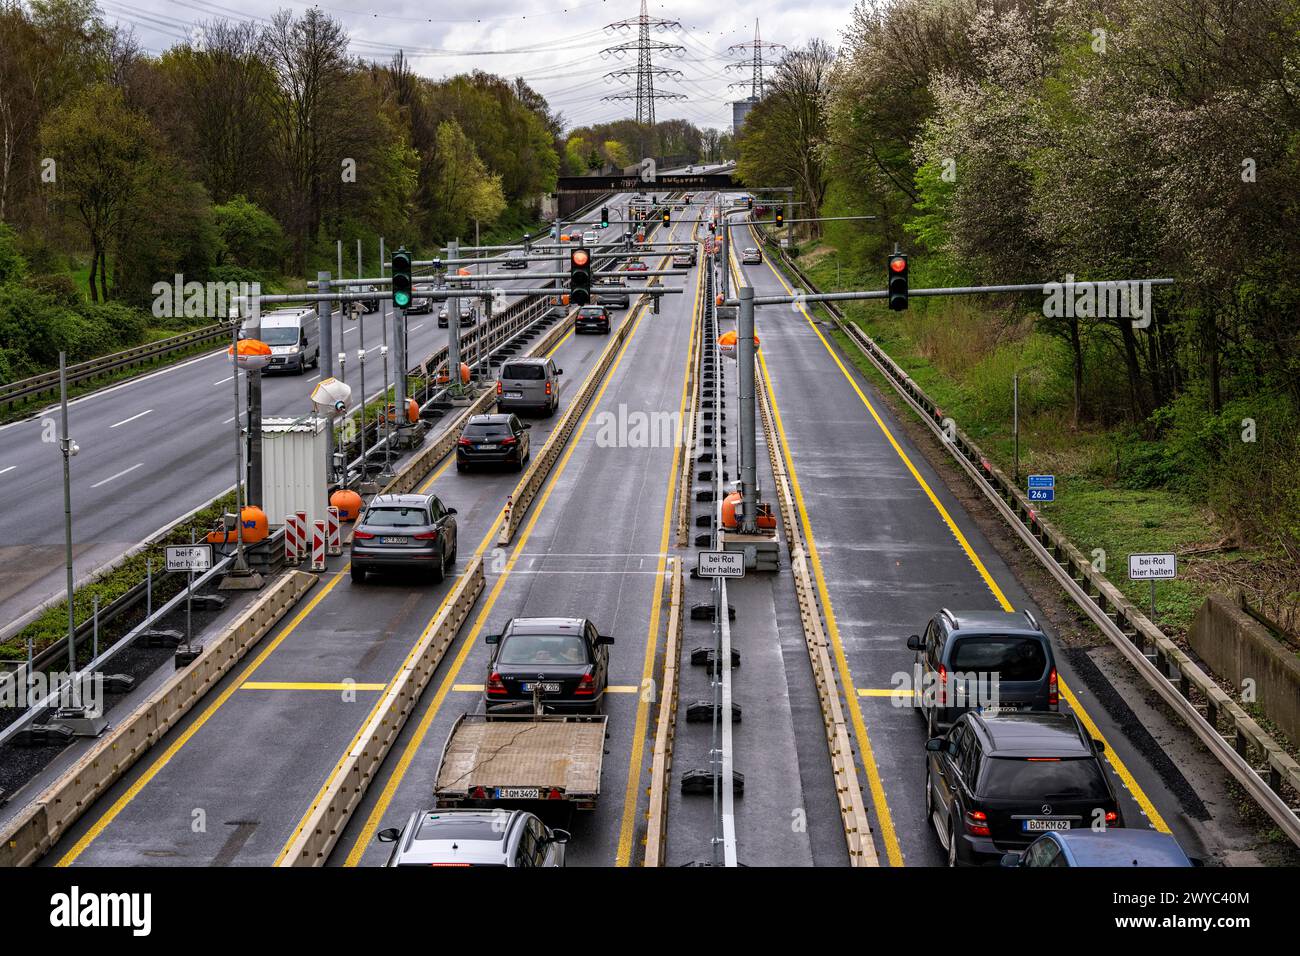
329	815
49	816
319	535
335	542
661	761
292	541
1257	761
48	382
839	739
540	468
422	462
684	476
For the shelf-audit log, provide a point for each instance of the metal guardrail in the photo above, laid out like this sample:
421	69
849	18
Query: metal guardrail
661	762
27	388
1167	669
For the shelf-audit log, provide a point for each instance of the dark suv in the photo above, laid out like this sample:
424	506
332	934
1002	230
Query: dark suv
982	660
994	784
404	531
592	318
561	662
493	440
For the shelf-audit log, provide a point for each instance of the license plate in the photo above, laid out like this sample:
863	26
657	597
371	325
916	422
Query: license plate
1038	826
548	687
514	394
485	447
519	793
392	540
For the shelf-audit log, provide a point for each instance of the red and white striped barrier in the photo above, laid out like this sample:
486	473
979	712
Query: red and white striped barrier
319	535
304	537
292	539
335	542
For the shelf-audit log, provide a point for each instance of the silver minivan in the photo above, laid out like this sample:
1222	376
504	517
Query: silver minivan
529	383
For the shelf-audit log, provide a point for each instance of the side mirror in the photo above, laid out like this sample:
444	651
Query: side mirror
560	836
559	371
914	643
1099	746
604	639
492	639
528	425
1010	859
934	745
452	511
388	835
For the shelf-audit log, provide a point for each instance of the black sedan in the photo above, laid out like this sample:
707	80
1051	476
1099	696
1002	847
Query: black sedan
995	784
404	531
555	663
493	440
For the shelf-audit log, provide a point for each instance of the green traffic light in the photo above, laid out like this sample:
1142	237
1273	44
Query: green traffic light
401	299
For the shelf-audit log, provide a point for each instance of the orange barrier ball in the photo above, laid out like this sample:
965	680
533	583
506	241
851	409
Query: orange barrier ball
464	375
348	502
255	525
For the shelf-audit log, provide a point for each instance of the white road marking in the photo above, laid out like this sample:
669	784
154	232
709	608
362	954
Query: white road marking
10	468
118	475
224	380
132	418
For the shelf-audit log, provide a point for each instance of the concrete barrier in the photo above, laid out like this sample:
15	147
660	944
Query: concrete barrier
312	844
50	815
661	762
1238	649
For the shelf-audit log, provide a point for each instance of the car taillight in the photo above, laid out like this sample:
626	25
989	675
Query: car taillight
464	441
512	440
943	685
363	535
427	536
977	822
495	684
498	388
586	685
555	794
548	388
478	793
1112	816
1053	697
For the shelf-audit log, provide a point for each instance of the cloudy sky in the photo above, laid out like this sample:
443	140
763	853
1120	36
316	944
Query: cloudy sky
554	44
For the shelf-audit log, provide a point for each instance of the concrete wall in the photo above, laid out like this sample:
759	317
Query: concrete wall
1237	648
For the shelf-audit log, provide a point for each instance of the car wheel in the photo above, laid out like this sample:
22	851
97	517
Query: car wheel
438	570
455	543
462	467
358	575
929	797
952	844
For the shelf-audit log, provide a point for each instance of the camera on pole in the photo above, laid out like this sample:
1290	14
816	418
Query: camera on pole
897	282
579	276
401	278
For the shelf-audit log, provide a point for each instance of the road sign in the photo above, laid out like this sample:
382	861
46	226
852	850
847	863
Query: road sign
1042	481
1152	567
1042	487
1042	494
721	564
187	557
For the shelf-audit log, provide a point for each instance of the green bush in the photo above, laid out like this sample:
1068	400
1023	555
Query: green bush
12	264
58	287
250	237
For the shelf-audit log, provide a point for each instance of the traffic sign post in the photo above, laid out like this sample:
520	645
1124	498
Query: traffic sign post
1042	488
195	557
720	564
1153	568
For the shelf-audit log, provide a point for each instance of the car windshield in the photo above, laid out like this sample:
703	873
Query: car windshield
1076	778
1010	658
396	517
525	649
528	372
279	334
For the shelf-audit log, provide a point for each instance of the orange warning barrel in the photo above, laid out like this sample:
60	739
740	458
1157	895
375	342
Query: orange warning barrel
348	502
255	525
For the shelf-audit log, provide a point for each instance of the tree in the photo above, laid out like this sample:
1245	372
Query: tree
464	188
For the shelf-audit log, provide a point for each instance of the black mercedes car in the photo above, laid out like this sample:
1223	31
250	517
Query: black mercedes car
562	663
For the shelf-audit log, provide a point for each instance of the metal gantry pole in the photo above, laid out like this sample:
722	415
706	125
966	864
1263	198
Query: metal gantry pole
67	445
453	330
240	565
748	429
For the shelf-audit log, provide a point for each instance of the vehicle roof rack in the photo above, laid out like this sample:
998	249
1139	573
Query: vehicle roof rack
1033	621
952	618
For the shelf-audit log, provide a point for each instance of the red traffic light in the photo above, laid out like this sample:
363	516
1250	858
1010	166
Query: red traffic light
580	257
898	263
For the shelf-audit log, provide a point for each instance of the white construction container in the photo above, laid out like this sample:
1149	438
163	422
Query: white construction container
294	457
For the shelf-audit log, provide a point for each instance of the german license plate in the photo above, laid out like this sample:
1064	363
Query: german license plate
519	793
389	540
514	394
1039	826
548	687
485	447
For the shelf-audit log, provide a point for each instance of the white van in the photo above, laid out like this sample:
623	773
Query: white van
294	338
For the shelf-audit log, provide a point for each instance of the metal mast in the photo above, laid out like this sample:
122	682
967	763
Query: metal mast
753	51
645	71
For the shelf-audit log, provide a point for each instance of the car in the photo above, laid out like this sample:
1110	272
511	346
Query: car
983	659
495	837
540	252
404	531
686	198
294	339
1100	848
468	315
500	439
560	664
612	294
515	259
679	207
683	257
993	784
419	305
635	265
529	383
370	305
590	237
592	318
751	256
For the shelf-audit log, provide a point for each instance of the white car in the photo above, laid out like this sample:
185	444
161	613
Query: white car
475	838
590	237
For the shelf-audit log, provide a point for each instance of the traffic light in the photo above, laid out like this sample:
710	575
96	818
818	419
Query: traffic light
604	217
666	217
897	282
579	276
401	278
780	218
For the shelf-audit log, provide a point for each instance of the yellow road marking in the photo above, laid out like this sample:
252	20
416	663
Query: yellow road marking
884	692
307	685
1111	757
118	805
426	720
623	857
